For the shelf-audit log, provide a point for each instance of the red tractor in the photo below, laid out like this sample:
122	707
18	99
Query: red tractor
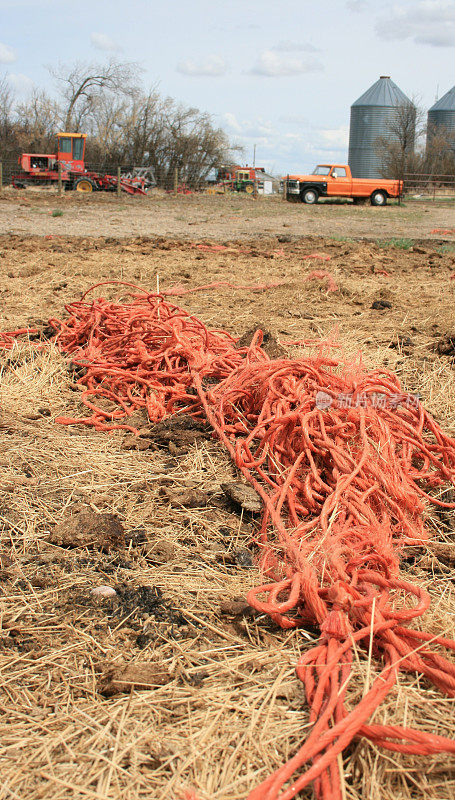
40	169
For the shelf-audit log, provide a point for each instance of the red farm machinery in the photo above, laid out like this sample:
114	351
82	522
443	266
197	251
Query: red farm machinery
38	169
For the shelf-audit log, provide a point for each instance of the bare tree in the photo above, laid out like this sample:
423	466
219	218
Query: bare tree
439	156
8	133
148	130
125	125
37	121
397	149
81	84
6	100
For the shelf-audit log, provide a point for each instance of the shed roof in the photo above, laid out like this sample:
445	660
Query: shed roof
383	93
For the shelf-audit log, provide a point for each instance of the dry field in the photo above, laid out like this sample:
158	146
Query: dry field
225	707
219	217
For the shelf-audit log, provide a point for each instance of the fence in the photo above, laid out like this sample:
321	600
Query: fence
434	187
429	186
170	179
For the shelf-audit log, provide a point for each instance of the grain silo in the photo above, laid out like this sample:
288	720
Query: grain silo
371	117
442	114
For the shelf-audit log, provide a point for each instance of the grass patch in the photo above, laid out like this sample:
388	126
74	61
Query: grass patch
57	212
401	244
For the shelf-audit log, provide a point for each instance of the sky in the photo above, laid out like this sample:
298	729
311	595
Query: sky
278	75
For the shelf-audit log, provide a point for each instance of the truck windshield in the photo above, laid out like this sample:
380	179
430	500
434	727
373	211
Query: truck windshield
320	170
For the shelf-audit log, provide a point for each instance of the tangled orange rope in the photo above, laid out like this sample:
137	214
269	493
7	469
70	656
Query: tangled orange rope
345	464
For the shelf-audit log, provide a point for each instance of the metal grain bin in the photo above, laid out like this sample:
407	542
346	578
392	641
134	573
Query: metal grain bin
371	116
442	114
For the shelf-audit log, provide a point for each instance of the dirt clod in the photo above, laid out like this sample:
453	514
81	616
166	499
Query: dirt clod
446	345
236	608
145	601
269	342
125	677
244	496
243	558
188	498
132	442
178	433
87	529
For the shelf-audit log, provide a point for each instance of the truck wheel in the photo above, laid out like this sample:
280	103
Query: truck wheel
378	199
83	185
310	196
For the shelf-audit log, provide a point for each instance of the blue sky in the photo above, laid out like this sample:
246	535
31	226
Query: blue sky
281	75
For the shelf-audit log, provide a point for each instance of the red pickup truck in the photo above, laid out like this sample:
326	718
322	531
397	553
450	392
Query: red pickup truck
335	180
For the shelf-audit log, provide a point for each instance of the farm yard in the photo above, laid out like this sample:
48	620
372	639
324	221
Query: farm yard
131	665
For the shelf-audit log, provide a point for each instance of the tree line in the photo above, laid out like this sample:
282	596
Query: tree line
125	124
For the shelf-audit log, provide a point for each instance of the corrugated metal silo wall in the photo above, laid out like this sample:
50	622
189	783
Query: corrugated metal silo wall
368	123
439	119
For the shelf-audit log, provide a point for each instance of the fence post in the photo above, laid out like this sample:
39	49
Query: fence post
1	176
60	183
285	188
119	178
255	189
176	180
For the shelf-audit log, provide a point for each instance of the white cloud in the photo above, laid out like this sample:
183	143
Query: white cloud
357	5
7	54
232	122
293	119
337	138
272	65
21	84
425	22
286	46
103	42
212	67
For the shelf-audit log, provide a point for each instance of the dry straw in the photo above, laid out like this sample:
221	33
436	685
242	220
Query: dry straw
232	710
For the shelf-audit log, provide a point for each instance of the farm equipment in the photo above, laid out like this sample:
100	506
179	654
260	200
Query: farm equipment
38	169
239	179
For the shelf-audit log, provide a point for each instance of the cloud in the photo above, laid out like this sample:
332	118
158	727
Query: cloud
7	54
212	67
335	138
232	122
357	5
429	22
293	119
248	129
278	149
286	46
103	42
21	84
272	65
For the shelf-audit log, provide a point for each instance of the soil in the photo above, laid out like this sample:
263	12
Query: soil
222	218
166	683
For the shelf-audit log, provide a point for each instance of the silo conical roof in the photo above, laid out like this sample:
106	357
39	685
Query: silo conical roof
383	93
446	103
